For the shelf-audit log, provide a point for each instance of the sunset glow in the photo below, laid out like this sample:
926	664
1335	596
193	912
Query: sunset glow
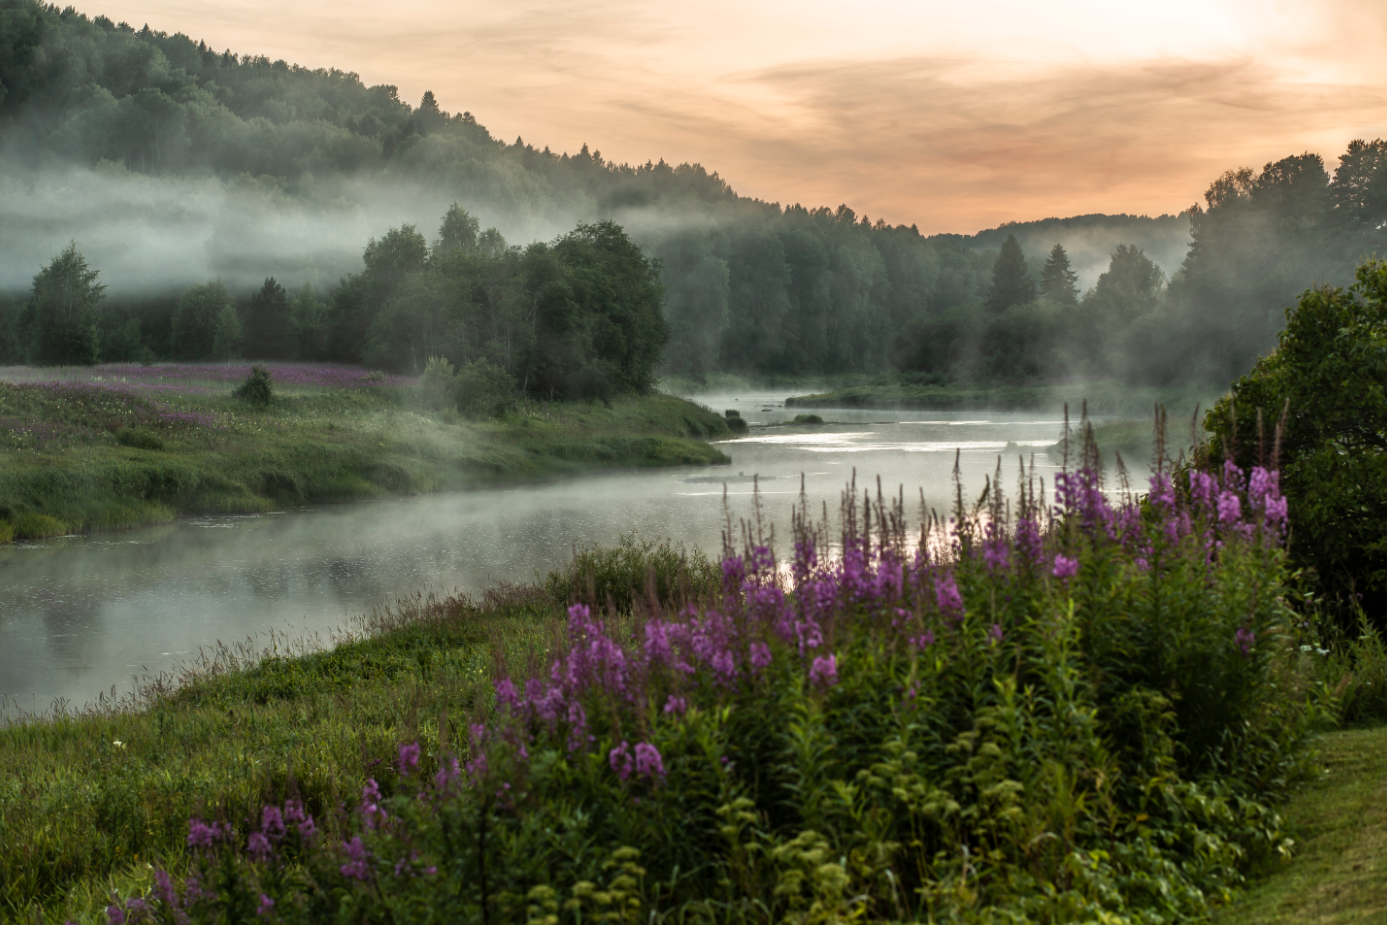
953	117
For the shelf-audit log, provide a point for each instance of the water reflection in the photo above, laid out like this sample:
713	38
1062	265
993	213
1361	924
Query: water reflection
81	614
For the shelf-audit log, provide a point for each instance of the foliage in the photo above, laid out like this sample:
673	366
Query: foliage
1074	719
807	419
226	343
257	389
649	571
1319	402
196	318
483	390
1011	280
63	311
1058	281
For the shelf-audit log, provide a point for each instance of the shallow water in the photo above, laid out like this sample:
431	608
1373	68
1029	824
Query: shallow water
79	615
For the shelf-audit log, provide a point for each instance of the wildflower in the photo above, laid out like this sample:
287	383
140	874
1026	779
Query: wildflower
295	816
409	758
118	744
115	915
202	835
995	634
760	656
947	596
1065	567
259	847
620	760
506	694
358	858
924	641
676	705
824	671
1245	638
1229	507
370	804
648	761
266	904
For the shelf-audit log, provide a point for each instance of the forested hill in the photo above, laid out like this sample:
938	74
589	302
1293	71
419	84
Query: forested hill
171	163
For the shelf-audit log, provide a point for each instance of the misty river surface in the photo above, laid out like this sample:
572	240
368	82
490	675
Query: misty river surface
81	614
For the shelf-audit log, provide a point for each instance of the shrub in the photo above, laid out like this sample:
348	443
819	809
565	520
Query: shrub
1327	386
649	571
438	385
139	439
257	389
734	421
484	390
1072	717
807	419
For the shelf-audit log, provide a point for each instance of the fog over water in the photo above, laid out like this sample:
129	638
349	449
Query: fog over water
80	614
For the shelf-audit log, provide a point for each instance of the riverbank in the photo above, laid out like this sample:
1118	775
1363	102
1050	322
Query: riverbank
1102	397
101	452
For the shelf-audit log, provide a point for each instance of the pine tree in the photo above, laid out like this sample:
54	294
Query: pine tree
1011	281
1058	282
268	331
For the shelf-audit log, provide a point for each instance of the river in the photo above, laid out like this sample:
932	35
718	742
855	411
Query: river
82	614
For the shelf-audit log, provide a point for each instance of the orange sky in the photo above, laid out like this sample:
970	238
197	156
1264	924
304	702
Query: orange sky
953	116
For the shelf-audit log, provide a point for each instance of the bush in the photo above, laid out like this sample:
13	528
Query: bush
484	390
807	419
633	570
438	385
257	389
1319	402
1069	720
735	423
139	439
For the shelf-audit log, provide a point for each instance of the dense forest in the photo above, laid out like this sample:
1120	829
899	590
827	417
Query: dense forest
148	125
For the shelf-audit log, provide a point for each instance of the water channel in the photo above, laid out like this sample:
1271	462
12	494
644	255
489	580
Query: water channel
79	615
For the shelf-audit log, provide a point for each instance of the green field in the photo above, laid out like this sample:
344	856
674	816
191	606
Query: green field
88	451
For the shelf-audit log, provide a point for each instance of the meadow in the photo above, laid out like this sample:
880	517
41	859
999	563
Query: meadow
113	446
1086	711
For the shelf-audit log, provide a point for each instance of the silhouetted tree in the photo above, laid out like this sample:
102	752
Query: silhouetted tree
63	311
1011	280
1058	282
195	319
268	325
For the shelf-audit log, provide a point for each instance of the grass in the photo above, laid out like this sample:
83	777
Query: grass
93	454
88	801
1106	397
1338	873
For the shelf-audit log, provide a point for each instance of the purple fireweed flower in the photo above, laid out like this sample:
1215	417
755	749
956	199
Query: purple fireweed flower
1245	639
370	804
448	772
760	656
357	865
1065	567
115	915
294	815
995	634
272	823
259	847
202	835
408	761
947	596
657	644
1162	492
1201	487
620	760
924	641
266	904
676	705
1028	542
1229	507
823	672
506	694
648	761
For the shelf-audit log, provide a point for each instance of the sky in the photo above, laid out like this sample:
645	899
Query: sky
950	116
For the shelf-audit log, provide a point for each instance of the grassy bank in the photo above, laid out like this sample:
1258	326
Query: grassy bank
88	451
1104	398
1338	873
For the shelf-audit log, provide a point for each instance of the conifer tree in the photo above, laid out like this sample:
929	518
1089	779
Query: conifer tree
1058	282
63	310
1011	280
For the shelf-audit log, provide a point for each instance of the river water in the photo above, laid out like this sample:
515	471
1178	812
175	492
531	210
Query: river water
79	615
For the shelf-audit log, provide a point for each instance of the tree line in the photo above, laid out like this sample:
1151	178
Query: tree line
576	318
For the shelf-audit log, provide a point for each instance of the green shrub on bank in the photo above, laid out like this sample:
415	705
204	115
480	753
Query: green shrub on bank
258	389
647	571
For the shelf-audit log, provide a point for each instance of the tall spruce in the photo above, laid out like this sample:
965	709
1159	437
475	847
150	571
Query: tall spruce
1011	280
268	326
1058	282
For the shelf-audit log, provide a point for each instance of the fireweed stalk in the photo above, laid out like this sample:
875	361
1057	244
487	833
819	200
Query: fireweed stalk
1063	715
